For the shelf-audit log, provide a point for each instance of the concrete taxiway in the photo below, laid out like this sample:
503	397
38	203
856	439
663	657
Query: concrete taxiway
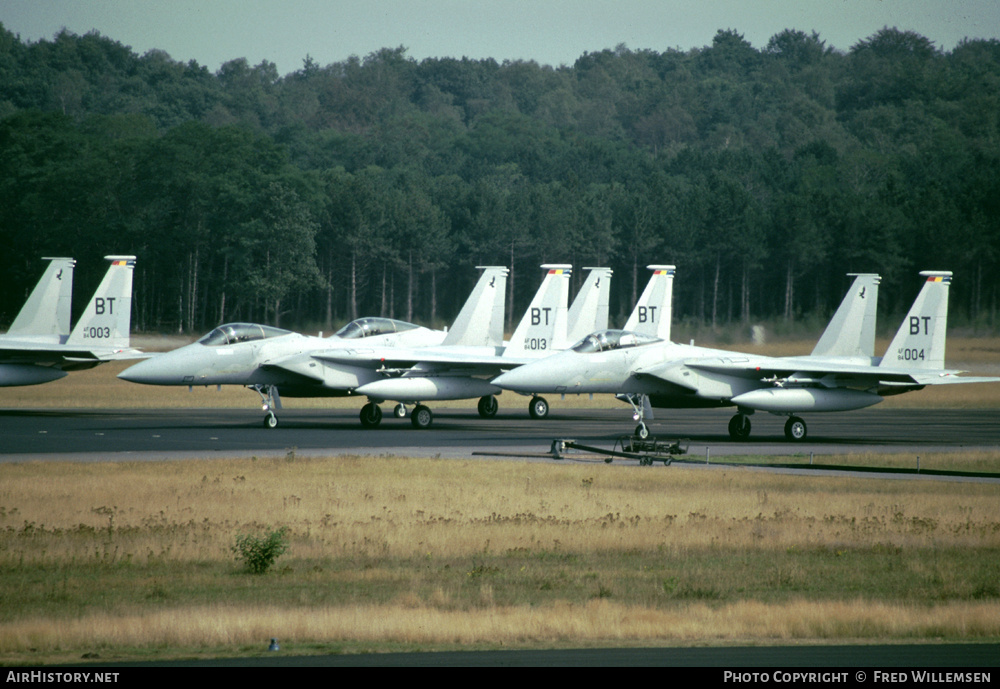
130	435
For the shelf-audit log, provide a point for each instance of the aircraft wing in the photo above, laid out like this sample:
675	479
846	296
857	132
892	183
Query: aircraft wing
62	356
796	368
802	371
947	378
424	359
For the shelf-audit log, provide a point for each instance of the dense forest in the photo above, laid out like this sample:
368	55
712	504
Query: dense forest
376	185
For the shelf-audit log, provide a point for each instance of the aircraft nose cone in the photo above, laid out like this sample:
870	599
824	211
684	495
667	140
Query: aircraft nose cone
148	372
518	380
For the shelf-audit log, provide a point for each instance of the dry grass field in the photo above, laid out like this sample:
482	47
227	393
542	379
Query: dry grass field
135	560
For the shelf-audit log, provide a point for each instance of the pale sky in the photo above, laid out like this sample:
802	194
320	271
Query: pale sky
551	32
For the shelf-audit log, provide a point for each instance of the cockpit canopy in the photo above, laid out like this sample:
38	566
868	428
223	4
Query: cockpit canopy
607	340
232	333
367	327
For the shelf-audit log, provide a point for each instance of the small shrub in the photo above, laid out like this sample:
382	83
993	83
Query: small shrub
258	554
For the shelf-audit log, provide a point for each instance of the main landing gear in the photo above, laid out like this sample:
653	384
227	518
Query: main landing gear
421	417
371	415
739	428
795	428
538	408
488	406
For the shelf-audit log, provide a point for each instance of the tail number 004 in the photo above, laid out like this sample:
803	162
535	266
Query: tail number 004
910	355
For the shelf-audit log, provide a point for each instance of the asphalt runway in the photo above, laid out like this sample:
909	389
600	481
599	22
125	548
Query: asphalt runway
149	434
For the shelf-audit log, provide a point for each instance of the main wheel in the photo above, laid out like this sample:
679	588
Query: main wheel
539	408
270	421
641	432
795	428
739	427
399	411
488	406
422	417
371	415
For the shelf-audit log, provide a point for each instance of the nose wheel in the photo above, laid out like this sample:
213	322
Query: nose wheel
639	405
269	401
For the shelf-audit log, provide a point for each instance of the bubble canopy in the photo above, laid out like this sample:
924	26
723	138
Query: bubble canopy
367	327
607	340
234	333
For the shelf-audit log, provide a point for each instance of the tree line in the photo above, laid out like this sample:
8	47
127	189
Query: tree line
374	186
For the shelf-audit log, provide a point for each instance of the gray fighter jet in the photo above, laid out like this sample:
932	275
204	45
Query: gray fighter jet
840	375
441	374
416	376
39	347
275	362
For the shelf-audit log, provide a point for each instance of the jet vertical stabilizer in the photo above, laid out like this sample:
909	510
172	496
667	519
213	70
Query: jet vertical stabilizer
106	321
543	327
480	322
851	331
919	342
653	312
589	311
47	310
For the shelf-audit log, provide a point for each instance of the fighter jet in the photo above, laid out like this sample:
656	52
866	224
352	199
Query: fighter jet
40	348
435	374
275	362
838	376
416	376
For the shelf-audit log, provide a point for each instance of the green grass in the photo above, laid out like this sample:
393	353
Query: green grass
652	579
